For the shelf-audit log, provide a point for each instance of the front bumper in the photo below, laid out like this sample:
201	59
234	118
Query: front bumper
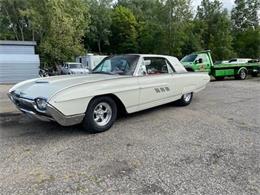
28	107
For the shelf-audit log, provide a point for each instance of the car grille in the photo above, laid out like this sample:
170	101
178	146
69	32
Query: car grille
22	102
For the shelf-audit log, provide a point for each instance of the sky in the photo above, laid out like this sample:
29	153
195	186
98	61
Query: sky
226	3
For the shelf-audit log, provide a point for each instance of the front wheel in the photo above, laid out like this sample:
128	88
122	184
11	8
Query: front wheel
185	99
100	115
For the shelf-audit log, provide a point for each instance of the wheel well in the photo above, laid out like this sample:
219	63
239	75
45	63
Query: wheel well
120	106
242	68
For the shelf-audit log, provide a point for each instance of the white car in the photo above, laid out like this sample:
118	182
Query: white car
73	68
127	83
238	61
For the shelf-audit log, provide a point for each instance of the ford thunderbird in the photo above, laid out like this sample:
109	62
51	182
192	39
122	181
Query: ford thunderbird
128	83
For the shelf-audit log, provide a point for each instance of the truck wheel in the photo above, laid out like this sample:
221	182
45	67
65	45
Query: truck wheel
219	78
100	115
242	74
185	99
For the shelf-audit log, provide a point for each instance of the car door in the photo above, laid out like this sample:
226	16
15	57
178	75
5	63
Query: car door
156	81
203	62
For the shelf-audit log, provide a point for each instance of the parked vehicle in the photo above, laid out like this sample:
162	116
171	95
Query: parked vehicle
238	61
202	62
90	61
73	68
45	72
127	83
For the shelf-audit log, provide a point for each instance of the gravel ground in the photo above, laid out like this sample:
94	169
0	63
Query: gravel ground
209	147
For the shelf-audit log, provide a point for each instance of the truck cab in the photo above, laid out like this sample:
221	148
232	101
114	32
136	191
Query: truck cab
198	61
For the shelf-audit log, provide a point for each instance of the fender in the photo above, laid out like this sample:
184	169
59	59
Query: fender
242	68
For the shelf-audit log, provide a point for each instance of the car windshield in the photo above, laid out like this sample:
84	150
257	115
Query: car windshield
189	58
119	64
75	65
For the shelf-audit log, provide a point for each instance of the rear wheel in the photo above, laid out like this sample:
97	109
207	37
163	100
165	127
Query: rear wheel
242	74
185	99
100	115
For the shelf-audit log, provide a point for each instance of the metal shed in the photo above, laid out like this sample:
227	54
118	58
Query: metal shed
18	61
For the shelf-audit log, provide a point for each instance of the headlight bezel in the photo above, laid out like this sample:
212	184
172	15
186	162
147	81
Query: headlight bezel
41	104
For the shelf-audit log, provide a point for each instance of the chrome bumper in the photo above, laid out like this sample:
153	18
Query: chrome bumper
28	107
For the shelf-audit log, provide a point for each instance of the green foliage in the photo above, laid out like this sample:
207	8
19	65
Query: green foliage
61	27
246	31
124	33
216	29
13	24
247	43
100	26
57	25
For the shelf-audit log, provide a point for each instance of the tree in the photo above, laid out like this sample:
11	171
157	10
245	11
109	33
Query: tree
150	34
13	23
60	26
57	25
99	28
252	12
246	31
247	43
216	29
161	24
245	15
124	33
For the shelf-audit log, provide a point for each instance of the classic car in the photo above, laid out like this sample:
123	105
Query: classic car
120	83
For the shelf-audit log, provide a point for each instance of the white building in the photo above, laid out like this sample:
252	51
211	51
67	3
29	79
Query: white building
18	61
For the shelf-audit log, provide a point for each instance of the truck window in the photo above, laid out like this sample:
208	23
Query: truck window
204	57
189	58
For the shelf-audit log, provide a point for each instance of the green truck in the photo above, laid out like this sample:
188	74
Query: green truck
202	62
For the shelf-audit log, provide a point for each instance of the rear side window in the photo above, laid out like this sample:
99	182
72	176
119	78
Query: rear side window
155	65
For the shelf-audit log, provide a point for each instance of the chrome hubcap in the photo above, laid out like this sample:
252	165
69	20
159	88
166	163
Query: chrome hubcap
187	97
243	74
102	114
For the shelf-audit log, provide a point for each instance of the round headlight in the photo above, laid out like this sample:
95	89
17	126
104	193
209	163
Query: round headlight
41	103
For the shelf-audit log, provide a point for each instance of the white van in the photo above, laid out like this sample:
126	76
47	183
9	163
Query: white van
90	61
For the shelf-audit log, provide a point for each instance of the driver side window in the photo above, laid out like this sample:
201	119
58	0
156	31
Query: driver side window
156	66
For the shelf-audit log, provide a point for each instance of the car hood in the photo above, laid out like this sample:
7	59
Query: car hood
48	86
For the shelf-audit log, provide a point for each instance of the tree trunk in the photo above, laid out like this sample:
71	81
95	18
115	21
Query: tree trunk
21	30
99	46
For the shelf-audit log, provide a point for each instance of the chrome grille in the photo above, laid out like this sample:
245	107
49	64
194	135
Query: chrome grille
22	102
